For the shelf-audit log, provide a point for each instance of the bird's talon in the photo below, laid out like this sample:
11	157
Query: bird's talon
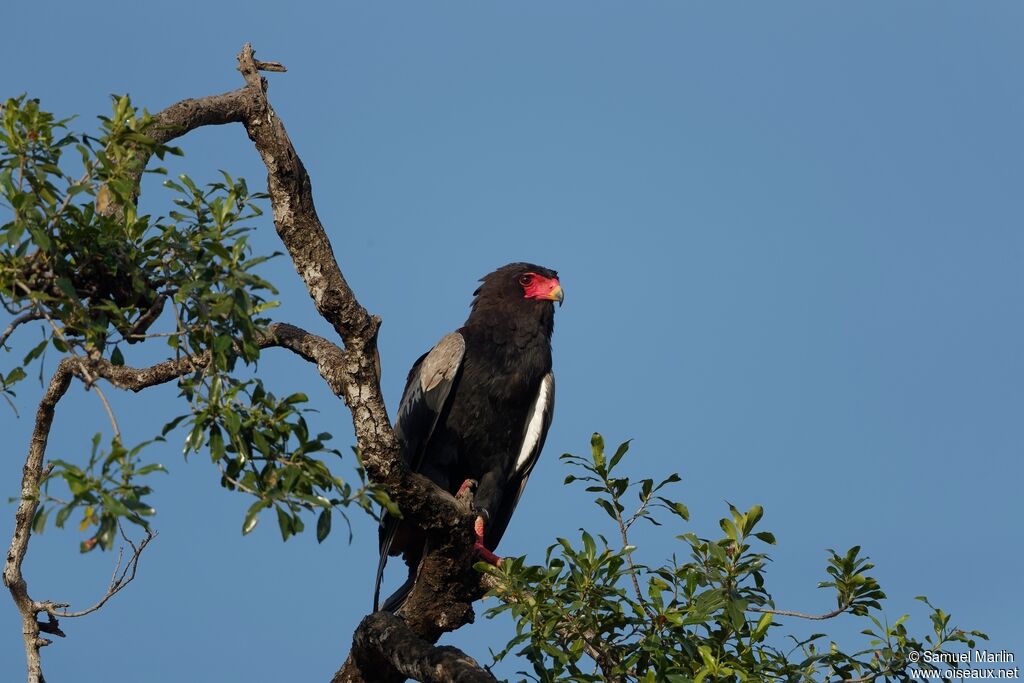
467	485
486	555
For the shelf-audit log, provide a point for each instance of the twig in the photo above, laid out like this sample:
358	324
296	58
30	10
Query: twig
110	411
67	198
234	482
86	376
801	615
629	561
269	66
117	582
142	324
20	320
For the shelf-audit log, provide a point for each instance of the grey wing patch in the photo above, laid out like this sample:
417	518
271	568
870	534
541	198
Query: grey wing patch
443	361
426	391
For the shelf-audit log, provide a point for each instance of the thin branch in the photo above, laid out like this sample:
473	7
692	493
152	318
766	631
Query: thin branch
67	199
138	330
117	581
110	411
26	317
801	615
32	474
623	534
234	482
328	357
269	66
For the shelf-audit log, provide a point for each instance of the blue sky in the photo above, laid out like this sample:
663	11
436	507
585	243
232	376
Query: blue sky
790	238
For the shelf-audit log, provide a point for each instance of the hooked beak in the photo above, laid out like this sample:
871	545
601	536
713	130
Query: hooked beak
556	293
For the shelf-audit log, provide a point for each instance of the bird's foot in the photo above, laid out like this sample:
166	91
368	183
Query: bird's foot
481	550
467	485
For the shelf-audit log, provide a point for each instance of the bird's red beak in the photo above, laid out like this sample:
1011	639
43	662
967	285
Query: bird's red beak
548	289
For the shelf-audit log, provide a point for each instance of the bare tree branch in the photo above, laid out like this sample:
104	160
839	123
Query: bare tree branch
315	349
31	476
385	637
802	615
118	580
26	317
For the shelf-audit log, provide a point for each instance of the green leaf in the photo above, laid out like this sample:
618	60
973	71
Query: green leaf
15	375
172	424
252	517
216	443
284	522
65	286
39	521
619	452
597	450
36	351
752	517
323	525
762	627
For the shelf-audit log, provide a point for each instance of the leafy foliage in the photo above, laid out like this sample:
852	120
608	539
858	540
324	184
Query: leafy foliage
591	613
93	275
107	490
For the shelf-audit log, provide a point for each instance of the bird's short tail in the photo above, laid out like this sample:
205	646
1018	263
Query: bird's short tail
412	558
388	529
397	598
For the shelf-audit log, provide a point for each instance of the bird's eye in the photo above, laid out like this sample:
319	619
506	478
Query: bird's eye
525	280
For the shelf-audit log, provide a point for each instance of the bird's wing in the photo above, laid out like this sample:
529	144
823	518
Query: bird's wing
426	393
535	431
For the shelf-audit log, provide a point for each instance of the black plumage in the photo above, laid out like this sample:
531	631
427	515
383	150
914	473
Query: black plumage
477	407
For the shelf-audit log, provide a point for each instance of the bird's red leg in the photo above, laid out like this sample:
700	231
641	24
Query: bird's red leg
468	484
481	550
485	554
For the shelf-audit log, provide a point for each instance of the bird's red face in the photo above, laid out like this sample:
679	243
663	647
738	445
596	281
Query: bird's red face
539	287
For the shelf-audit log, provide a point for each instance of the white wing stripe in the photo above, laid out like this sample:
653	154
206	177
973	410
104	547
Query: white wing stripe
534	425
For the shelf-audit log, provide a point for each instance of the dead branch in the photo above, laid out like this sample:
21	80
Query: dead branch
118	580
26	317
801	615
384	638
31	477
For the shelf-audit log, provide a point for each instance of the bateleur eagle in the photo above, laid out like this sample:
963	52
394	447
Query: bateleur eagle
477	407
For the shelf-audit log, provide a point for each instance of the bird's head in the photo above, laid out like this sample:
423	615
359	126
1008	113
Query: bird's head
522	284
